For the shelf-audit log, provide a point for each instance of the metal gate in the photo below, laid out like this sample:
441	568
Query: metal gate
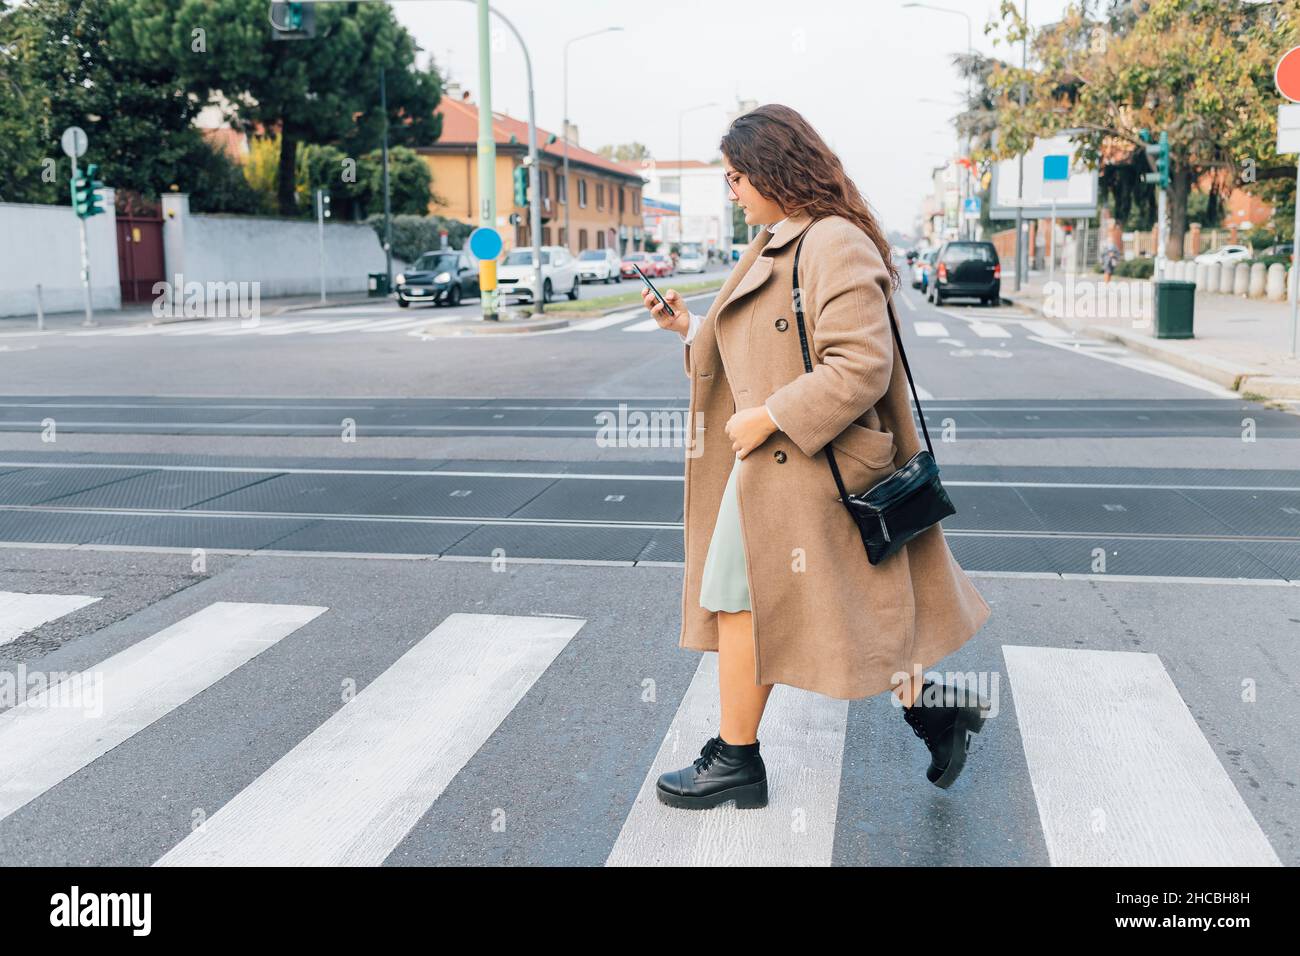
139	255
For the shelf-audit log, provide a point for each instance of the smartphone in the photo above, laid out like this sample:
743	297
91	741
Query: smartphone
653	289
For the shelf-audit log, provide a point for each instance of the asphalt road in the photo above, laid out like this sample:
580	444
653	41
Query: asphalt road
267	538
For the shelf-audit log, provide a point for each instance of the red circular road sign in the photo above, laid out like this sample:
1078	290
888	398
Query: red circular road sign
1287	75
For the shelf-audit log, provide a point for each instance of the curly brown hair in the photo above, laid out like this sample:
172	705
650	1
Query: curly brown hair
790	164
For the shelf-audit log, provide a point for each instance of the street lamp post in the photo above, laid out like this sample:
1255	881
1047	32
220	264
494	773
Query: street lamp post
681	178
970	52
568	235
1020	172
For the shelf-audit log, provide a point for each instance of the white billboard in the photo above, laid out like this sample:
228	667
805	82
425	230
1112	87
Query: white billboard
1076	196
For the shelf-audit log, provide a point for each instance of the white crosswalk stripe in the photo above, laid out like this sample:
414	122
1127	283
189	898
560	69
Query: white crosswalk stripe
20	612
1122	774
802	745
47	737
930	329
1119	770
353	789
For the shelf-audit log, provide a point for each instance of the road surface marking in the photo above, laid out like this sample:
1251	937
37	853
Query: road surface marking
802	745
1121	772
20	613
350	791
53	734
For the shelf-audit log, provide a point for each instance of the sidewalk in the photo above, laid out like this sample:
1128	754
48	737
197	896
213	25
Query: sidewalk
141	313
1242	344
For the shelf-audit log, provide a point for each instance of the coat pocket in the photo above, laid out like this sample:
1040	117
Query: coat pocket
865	457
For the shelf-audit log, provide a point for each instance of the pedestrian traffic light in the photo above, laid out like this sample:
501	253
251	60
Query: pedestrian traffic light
85	196
521	186
1160	151
292	21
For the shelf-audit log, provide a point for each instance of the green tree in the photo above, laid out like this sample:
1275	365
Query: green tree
323	90
1200	70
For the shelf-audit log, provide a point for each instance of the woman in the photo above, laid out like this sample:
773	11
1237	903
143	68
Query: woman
777	579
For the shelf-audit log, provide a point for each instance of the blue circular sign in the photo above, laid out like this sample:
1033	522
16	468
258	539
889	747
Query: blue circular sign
485	243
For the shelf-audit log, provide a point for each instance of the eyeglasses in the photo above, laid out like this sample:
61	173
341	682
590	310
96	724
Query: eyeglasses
731	183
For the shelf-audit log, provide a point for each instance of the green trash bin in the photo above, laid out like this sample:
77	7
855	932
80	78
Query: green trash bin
1175	303
378	284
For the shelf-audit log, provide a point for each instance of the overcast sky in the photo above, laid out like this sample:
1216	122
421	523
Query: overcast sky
873	78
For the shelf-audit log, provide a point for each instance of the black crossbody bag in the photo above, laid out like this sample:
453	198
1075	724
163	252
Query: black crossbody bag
893	511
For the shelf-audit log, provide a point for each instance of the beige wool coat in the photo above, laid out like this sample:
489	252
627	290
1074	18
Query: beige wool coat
824	618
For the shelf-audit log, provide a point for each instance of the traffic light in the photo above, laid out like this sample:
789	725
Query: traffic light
85	196
521	185
292	21
1160	151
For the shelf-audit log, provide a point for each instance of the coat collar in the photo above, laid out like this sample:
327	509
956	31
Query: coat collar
759	266
791	229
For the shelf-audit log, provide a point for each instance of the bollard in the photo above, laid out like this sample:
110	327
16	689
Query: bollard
1201	270
40	308
1275	286
1212	277
1258	271
1226	273
1240	279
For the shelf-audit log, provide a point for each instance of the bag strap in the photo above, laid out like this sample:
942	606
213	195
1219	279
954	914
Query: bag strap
807	362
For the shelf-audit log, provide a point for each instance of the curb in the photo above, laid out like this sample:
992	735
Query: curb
1228	375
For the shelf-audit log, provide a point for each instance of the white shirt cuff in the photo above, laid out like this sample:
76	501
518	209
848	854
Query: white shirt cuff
773	417
695	322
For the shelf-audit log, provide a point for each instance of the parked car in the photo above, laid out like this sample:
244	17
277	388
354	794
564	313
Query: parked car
692	258
640	258
917	260
965	268
1229	253
443	276
663	262
925	266
559	273
599	265
1279	249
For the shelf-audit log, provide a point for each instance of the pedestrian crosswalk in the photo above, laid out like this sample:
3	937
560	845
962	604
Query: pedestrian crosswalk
1119	770
387	320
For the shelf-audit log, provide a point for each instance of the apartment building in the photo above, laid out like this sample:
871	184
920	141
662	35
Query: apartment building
603	197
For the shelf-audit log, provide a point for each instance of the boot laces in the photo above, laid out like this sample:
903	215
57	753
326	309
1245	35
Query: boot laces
917	724
708	754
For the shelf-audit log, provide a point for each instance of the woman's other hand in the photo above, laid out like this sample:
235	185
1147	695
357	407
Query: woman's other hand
679	321
749	428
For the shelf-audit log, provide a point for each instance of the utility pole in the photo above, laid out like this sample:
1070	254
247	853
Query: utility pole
322	213
1020	182
487	147
388	205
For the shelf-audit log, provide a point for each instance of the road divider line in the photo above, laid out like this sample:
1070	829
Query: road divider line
54	733
802	745
20	612
351	790
1121	772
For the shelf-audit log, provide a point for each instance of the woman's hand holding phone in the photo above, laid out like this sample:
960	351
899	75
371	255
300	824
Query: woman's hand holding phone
679	322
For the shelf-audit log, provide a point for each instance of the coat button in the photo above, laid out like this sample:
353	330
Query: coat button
779	456
782	325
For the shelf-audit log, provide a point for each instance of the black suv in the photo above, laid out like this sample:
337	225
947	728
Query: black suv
965	268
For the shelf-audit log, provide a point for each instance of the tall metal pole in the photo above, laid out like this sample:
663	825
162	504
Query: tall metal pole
1020	181
320	238
85	260
487	147
388	206
1293	274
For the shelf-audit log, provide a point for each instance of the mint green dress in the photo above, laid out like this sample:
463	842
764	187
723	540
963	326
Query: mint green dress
725	584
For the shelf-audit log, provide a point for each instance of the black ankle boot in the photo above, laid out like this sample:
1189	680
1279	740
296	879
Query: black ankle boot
945	726
722	772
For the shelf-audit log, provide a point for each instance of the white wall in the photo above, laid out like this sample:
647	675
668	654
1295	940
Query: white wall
282	255
42	244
